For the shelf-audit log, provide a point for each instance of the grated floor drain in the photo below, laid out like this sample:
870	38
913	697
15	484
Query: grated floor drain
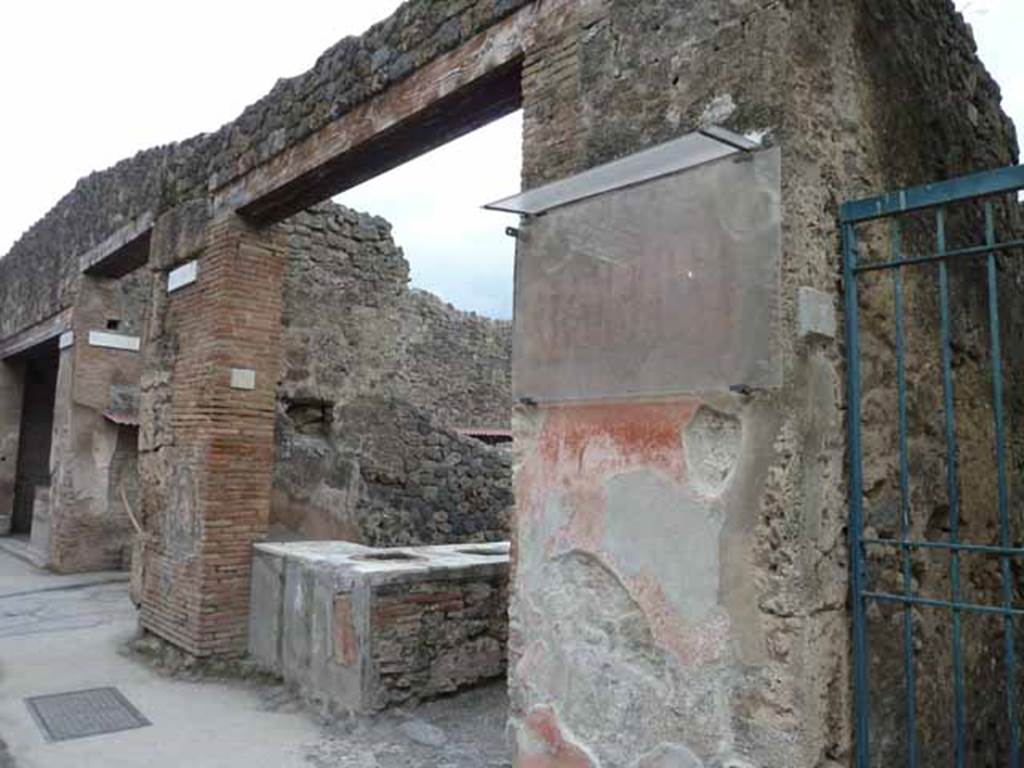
74	715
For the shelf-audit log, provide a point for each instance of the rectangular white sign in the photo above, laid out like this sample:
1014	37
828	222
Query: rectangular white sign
182	276
243	378
114	341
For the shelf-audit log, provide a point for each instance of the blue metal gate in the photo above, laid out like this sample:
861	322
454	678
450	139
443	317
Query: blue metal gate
926	256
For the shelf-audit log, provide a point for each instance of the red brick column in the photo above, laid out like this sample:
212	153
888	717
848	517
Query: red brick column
207	443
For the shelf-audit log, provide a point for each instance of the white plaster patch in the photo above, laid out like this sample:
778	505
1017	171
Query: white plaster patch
540	540
181	276
758	135
243	378
114	341
67	339
737	762
670	756
712	443
816	313
656	530
718	110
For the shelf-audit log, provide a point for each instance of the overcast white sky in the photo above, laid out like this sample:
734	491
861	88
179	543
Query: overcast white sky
85	84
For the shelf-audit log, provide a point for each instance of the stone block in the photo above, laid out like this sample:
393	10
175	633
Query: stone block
362	629
815	313
265	610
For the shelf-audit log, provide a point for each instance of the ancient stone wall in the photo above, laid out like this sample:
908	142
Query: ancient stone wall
376	378
206	441
339	410
747	637
131	303
11	397
386	473
95	384
435	636
830	82
38	277
456	364
953	126
352	326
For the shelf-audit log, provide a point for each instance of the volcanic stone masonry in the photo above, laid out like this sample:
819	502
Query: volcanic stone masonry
366	406
376	381
622	652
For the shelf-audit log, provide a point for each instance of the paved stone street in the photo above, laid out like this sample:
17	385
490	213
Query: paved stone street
61	633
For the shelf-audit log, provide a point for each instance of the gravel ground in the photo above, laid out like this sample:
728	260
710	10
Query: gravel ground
462	731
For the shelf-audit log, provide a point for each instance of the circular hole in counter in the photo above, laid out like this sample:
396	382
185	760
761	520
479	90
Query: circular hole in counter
484	551
390	556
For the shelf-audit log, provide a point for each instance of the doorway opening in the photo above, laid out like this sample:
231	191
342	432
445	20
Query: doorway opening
39	365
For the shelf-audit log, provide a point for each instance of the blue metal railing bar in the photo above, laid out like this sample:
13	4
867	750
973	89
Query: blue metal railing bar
953	492
908	612
937	197
909	261
988	549
983	184
892	597
857	573
1009	652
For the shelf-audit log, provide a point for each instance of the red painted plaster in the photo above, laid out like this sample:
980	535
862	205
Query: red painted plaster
558	751
579	448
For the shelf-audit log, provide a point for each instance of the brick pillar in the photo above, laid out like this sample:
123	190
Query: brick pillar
10	424
85	527
211	370
552	139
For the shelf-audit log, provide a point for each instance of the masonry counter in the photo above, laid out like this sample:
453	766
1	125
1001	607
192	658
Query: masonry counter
361	629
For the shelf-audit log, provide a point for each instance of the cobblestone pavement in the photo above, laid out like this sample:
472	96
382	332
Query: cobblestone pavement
63	634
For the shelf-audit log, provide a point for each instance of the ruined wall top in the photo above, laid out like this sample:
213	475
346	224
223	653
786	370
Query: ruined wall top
353	327
658	90
37	276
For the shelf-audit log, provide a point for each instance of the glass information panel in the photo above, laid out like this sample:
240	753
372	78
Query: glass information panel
666	287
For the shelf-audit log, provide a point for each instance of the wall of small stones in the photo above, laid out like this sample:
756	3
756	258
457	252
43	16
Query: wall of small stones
386	473
353	326
376	380
923	58
435	636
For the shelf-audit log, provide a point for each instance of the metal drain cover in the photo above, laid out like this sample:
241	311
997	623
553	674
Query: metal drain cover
63	716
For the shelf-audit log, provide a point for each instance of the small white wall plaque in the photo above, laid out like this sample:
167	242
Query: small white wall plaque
182	276
816	313
243	378
114	341
66	340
